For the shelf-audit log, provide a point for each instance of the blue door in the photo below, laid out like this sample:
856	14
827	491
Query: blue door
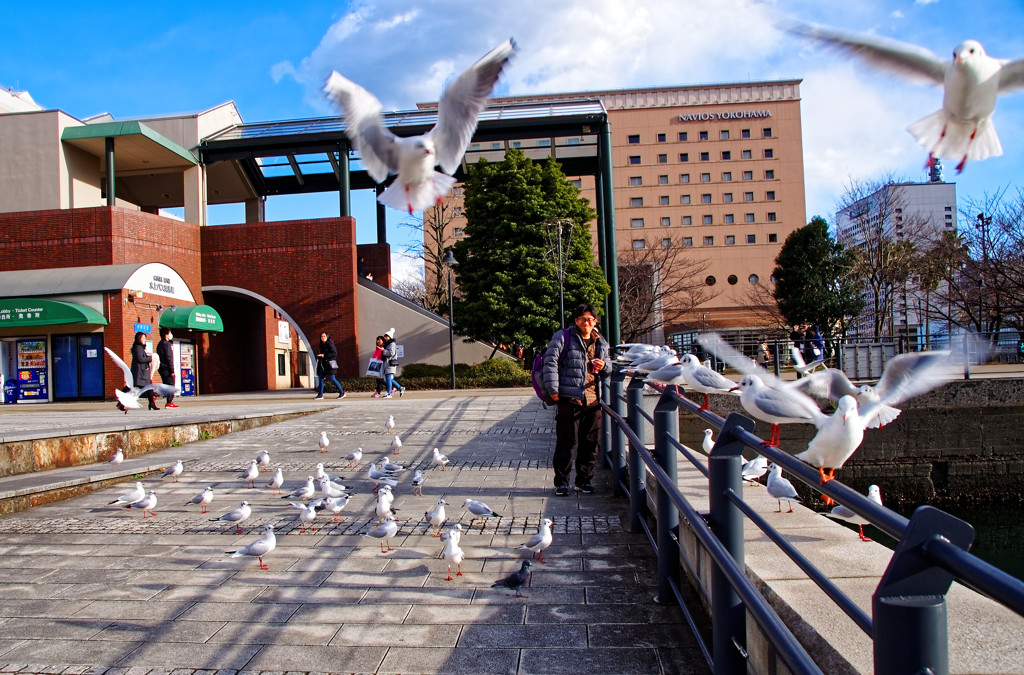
65	367
90	365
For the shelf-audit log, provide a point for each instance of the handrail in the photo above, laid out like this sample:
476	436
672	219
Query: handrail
908	634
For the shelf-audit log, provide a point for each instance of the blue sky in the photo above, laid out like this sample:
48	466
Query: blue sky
271	59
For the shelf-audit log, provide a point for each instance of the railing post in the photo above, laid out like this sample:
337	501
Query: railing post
909	606
605	456
618	444
666	425
637	470
728	620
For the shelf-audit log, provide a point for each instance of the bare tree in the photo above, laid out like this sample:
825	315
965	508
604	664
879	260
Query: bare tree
437	231
884	237
759	301
658	286
412	289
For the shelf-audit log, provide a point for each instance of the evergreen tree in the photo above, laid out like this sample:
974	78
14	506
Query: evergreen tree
508	265
813	281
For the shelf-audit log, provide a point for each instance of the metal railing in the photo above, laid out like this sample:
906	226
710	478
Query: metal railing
908	621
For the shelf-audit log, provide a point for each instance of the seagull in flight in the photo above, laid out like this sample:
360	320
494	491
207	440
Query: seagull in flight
413	158
130	398
972	81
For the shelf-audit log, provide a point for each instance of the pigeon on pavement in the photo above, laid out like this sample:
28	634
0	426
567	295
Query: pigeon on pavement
384	532
174	471
516	580
147	503
439	460
418	186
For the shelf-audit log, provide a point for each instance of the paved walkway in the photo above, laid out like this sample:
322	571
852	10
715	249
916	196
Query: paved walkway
89	587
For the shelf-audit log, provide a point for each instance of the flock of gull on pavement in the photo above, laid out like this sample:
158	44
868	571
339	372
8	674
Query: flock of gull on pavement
324	492
766	397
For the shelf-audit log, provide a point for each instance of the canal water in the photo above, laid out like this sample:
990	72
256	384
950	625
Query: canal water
998	539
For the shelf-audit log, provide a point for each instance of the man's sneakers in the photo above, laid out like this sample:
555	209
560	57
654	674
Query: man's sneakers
586	488
342	395
562	491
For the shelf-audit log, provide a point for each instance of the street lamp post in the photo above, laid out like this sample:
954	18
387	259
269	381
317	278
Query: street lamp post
984	221
450	262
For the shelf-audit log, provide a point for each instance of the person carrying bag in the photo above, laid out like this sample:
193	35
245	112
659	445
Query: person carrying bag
375	368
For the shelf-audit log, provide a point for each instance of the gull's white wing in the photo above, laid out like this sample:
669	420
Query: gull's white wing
129	381
913	374
365	126
1011	76
908	60
461	105
831	384
714	343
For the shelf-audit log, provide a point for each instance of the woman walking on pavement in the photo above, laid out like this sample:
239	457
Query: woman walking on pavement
390	358
326	366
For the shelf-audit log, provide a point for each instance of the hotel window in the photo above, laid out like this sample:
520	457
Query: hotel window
633	138
459	233
687	220
639	243
726	176
663	179
517	144
708	220
682	135
745	154
705	156
574	141
745	133
636	222
661	138
705	178
751	238
748	175
684	178
636	201
947	209
773	238
768	154
767	132
666	221
703	135
684	157
685	199
730	240
726	155
634	159
748	196
662	159
666	243
636	180
770	195
705	199
723	134
663	200
687	242
577	183
769	174
753	279
748	217
543	142
709	241
732	279
771	217
727	197
729	219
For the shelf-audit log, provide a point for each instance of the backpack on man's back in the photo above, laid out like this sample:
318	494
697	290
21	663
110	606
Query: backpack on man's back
537	371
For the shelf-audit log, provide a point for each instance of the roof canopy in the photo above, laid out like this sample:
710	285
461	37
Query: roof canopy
19	312
138	146
199	317
151	278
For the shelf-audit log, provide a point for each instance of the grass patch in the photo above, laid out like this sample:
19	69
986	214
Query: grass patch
489	374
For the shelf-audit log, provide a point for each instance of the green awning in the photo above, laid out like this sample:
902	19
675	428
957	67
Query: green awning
18	312
199	317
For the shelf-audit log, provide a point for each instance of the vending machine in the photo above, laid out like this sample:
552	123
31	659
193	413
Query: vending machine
186	358
31	363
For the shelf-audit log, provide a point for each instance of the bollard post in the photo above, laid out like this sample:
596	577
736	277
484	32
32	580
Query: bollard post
666	425
637	470
604	456
618	443
728	617
909	606
776	361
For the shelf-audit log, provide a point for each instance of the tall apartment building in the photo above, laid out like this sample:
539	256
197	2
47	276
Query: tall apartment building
915	212
715	169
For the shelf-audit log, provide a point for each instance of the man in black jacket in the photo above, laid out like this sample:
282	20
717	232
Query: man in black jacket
574	360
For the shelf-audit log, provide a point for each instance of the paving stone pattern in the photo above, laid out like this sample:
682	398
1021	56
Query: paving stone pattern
86	587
